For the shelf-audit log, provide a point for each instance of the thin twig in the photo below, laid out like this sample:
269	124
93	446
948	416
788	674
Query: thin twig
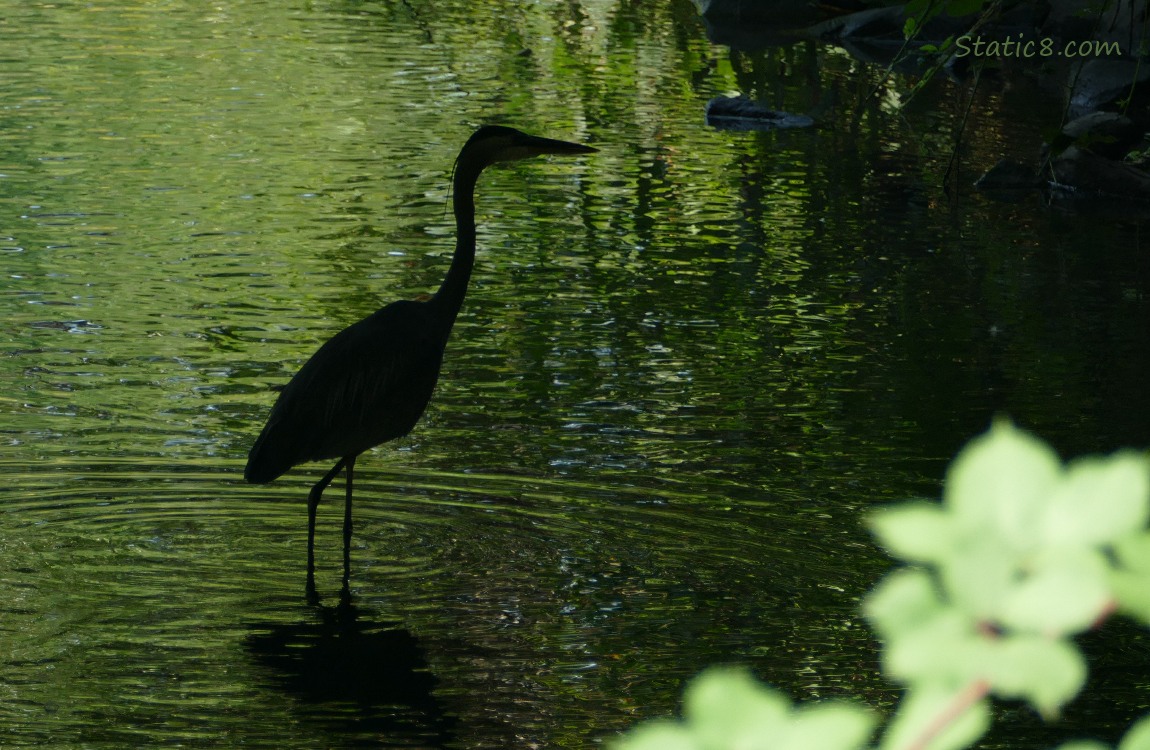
970	695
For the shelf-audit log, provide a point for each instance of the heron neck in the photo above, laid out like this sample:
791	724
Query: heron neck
454	286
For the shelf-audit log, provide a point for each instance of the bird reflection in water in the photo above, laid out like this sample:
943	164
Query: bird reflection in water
349	675
371	382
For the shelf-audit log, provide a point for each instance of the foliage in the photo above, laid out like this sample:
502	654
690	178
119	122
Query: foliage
1022	553
726	707
920	12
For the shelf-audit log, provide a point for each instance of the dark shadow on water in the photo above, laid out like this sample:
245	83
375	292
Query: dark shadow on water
362	681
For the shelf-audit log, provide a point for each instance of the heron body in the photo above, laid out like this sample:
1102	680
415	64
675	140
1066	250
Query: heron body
360	389
372	381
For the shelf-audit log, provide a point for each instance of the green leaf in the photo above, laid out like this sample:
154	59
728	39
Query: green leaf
1046	672
1132	594
1001	480
661	734
1066	592
919	713
1134	552
915	532
942	649
1083	745
829	726
960	8
916	8
1129	582
1099	500
1138	736
727	707
901	602
979	575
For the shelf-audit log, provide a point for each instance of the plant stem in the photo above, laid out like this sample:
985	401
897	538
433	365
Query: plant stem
970	695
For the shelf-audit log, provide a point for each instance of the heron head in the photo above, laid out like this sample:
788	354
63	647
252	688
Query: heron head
492	144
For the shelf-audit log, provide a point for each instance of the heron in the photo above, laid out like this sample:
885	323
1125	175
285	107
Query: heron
372	381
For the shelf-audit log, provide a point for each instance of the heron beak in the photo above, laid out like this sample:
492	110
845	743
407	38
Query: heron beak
536	145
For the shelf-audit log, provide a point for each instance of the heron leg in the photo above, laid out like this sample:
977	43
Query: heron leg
350	462
313	499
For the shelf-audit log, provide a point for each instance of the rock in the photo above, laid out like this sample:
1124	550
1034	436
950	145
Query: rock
741	113
1008	175
1091	174
1107	134
1103	81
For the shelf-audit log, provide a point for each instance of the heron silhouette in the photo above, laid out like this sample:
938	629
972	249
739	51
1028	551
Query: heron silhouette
371	382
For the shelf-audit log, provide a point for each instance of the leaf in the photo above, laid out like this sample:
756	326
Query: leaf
661	734
1001	480
979	575
1134	552
915	532
727	707
916	8
1046	672
1138	736
829	726
1083	745
1099	500
943	649
1129	582
901	602
960	8
1066	592
920	712
1131	593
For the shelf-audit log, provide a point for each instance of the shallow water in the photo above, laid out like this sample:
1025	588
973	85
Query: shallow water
687	364
168	606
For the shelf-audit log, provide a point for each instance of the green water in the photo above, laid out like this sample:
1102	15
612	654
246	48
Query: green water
686	365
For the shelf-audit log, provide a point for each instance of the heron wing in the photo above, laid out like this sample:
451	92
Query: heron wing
367	384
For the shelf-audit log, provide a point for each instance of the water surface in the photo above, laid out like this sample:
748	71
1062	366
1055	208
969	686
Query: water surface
687	365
